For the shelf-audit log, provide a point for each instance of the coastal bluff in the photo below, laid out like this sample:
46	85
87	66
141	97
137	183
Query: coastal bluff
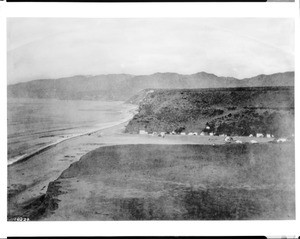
231	111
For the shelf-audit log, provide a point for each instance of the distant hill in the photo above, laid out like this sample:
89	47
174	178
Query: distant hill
77	87
279	79
123	86
231	111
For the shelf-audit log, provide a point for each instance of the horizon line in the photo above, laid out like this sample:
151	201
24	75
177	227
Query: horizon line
133	75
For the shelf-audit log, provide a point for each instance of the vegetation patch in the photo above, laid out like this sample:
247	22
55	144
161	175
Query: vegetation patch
232	111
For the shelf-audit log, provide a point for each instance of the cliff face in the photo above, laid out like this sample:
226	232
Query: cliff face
233	111
122	86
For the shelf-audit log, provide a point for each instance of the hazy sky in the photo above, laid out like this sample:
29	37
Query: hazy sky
59	47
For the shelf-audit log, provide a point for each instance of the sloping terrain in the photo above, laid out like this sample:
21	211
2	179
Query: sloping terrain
174	182
122	86
233	111
72	88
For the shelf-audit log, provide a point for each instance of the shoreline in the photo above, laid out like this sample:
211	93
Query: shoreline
24	157
29	179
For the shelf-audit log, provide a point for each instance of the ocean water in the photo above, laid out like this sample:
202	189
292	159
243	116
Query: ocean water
34	124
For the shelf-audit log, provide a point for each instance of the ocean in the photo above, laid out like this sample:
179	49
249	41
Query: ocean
35	124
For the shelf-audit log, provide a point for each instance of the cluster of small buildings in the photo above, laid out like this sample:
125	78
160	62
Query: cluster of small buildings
258	135
161	134
144	132
227	139
279	140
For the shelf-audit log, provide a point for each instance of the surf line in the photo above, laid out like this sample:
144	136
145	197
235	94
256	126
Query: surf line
40	150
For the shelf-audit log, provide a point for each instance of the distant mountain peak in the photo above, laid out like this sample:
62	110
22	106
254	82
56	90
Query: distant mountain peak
164	73
203	73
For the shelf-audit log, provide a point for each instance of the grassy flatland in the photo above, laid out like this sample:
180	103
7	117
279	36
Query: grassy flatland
175	182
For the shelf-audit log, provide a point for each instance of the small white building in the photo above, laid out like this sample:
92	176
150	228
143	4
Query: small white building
202	134
269	136
228	139
281	140
259	135
190	134
143	132
207	127
239	142
182	133
173	132
251	135
253	142
211	134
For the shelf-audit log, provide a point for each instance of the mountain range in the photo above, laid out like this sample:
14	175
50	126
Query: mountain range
124	86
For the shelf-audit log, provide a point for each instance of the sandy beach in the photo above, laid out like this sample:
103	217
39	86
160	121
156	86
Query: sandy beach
30	174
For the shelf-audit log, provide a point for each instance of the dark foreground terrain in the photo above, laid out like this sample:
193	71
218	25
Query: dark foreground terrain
174	182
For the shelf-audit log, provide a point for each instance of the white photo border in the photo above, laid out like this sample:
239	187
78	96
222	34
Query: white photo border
141	10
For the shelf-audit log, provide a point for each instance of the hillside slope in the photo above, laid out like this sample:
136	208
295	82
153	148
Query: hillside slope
122	86
232	111
77	87
196	182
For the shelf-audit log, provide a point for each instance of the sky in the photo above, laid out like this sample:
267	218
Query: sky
43	48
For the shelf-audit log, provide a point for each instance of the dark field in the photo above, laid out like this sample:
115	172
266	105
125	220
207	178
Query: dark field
175	182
